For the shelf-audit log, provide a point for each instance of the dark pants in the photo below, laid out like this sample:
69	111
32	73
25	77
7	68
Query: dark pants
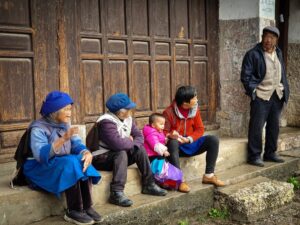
264	112
210	146
118	161
79	196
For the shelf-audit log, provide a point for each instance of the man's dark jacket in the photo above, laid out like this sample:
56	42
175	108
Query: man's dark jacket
254	71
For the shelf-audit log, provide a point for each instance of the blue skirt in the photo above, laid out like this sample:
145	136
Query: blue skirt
59	174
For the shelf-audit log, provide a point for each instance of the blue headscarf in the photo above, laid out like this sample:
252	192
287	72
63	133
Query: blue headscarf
55	101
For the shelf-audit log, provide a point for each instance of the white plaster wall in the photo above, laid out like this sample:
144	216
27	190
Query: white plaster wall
267	9
238	9
294	22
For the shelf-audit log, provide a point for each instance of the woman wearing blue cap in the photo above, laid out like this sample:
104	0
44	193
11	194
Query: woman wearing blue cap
60	161
121	144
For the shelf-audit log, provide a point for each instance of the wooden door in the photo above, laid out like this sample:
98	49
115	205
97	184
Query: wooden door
147	49
95	48
37	55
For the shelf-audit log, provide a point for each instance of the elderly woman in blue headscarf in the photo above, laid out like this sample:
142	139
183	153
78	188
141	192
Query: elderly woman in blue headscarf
60	162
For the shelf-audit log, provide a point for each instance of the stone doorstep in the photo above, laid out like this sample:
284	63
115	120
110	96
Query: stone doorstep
292	153
289	138
161	210
232	154
254	198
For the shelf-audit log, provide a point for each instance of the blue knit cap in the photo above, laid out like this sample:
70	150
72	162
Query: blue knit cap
119	101
55	101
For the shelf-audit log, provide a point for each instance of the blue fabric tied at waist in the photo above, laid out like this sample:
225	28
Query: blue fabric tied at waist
192	148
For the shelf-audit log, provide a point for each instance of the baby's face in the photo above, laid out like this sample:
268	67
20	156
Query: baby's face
159	123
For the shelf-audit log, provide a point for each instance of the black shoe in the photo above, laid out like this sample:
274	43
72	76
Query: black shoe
256	162
94	215
78	217
153	189
118	198
273	158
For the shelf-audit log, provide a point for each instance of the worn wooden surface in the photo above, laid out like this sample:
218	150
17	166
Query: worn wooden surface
95	48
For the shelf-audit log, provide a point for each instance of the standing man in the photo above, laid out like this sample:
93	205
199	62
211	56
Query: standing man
264	78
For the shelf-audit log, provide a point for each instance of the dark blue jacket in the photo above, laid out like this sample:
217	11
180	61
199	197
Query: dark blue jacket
254	71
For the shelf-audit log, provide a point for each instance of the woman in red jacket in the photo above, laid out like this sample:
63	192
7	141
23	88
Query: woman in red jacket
185	130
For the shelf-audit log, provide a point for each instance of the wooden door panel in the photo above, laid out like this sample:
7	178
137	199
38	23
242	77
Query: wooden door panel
91	45
162	48
182	49
163	84
142	85
182	73
140	47
93	87
118	81
199	22
89	16
139	18
16	88
159	18
200	50
15	42
14	13
181	28
116	17
10	138
198	79
117	47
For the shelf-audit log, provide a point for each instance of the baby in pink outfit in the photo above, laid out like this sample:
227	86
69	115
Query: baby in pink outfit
155	142
155	138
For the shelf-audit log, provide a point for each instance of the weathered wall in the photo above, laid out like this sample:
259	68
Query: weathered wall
293	62
240	30
233	115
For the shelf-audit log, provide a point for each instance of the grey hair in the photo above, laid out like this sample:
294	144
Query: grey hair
53	115
121	111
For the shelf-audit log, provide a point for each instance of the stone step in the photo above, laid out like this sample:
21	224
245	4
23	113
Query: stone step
148	210
36	205
232	153
254	198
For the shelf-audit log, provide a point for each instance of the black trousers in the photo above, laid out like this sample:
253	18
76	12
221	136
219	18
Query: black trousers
118	161
262	112
79	196
210	146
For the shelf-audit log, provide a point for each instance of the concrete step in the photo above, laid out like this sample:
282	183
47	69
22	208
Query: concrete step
36	205
148	210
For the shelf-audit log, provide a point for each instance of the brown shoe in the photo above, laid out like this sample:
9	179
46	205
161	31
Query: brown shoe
184	187
213	180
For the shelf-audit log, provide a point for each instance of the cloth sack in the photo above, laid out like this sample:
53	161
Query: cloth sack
165	174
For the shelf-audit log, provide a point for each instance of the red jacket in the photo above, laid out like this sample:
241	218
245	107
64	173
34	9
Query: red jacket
188	127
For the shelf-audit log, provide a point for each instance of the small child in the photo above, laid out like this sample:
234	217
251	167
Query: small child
155	138
155	141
